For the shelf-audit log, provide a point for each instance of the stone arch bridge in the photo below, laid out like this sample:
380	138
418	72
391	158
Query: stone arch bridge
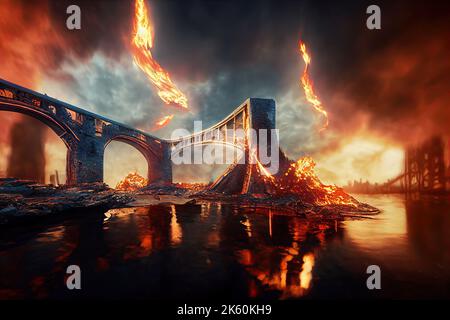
86	134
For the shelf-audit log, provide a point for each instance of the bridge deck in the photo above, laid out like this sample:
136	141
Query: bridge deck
66	105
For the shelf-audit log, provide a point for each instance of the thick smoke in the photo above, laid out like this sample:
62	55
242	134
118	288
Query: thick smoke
27	158
397	84
227	51
24	51
391	82
34	44
249	48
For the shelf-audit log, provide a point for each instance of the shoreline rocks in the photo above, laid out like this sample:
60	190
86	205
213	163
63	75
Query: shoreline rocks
23	201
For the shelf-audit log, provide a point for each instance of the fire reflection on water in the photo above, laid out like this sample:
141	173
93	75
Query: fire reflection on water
281	252
175	229
276	251
370	235
213	251
248	227
292	275
306	274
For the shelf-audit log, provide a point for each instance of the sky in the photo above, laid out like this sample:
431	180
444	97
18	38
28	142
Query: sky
383	89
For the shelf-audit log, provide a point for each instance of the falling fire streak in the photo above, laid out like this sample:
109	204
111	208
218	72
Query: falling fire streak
142	42
308	86
164	121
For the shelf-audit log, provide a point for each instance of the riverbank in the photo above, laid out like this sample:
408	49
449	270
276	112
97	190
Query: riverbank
26	202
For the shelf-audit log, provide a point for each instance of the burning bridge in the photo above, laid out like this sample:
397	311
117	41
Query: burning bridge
86	134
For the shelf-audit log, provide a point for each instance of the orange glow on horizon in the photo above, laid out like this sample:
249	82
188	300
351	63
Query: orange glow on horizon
361	156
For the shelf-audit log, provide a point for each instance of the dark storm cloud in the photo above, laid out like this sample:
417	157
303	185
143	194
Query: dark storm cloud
223	52
399	76
106	25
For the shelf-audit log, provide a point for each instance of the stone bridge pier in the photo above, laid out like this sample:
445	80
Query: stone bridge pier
86	157
255	120
86	135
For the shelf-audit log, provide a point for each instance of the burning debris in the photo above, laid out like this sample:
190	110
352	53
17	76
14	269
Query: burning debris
296	191
164	121
132	182
295	188
301	180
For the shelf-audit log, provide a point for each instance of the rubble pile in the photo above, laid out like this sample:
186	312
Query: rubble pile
175	189
297	191
301	181
23	201
132	182
296	188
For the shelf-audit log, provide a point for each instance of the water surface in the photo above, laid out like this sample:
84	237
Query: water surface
219	251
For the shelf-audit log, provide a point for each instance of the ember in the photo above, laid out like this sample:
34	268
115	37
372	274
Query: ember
132	182
164	121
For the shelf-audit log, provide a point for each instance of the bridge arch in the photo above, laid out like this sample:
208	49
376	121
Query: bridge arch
87	134
144	148
216	158
63	131
230	145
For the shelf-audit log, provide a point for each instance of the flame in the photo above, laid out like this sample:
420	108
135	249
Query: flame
309	88
132	182
261	169
142	42
300	178
164	121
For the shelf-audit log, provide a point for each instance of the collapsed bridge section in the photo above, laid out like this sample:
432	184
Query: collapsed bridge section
251	129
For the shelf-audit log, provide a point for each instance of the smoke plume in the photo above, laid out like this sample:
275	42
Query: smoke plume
389	86
27	158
